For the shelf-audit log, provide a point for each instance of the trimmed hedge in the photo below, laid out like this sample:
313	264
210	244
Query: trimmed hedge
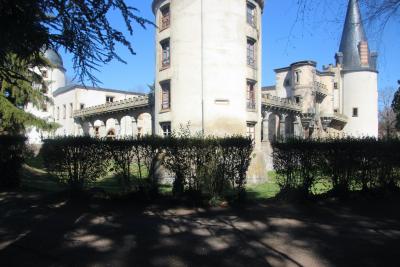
209	166
12	156
348	164
77	161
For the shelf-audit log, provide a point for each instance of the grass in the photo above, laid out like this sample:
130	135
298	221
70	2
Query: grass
35	178
264	190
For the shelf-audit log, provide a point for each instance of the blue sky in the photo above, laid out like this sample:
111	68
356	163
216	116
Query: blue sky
316	37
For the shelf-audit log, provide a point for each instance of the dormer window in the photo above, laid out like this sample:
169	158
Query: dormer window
165	17
109	99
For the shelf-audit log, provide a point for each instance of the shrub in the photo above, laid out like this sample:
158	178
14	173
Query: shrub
141	153
202	166
77	161
350	164
12	156
208	165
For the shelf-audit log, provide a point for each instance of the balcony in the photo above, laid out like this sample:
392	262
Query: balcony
140	102
274	102
320	90
335	120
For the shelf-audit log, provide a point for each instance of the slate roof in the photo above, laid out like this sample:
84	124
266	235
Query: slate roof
67	88
353	34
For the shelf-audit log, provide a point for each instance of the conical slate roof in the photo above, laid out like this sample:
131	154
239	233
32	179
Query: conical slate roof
54	58
353	34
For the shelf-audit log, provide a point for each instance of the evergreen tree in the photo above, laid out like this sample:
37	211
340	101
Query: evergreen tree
29	27
24	86
396	106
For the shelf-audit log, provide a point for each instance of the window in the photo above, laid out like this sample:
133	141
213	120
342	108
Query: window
297	99
335	110
165	95
251	95
71	110
251	14
44	107
335	85
45	74
109	99
287	82
251	53
297	76
164	18
82	106
251	130
355	112
64	112
58	113
165	56
166	128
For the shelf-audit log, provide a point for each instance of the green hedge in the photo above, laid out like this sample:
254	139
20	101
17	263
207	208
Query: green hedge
347	164
209	166
77	161
12	156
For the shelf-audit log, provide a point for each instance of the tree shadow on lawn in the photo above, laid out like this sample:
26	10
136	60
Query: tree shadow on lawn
52	231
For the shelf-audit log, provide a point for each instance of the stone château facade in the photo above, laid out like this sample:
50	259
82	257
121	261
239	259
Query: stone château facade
209	77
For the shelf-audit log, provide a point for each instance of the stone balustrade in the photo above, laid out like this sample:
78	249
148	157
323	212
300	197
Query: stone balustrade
126	104
270	101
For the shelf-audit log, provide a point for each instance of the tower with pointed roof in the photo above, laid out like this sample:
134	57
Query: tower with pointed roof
358	77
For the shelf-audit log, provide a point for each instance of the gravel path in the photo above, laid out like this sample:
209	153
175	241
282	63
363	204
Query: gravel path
49	231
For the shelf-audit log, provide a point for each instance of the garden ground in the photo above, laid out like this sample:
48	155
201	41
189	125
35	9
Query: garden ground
46	229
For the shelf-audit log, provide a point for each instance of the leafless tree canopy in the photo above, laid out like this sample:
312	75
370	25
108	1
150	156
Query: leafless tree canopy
387	116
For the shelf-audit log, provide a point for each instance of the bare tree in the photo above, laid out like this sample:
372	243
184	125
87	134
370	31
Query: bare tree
387	116
377	13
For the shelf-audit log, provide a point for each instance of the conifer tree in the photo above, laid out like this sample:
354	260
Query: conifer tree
24	85
29	27
396	106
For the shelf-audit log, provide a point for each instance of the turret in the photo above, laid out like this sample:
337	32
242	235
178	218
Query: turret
56	74
359	76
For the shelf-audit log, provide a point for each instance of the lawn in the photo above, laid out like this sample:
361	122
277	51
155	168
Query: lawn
39	228
34	177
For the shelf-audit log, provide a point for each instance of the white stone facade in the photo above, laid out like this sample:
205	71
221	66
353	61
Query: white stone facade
208	76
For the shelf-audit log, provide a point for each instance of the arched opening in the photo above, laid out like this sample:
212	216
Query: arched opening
273	127
98	128
289	126
126	126
144	124
111	133
111	124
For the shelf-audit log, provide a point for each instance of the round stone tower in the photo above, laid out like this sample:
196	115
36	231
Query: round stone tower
359	77
55	75
208	68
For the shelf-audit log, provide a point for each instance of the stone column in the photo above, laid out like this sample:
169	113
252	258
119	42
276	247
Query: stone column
265	126
91	130
282	126
134	128
117	129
